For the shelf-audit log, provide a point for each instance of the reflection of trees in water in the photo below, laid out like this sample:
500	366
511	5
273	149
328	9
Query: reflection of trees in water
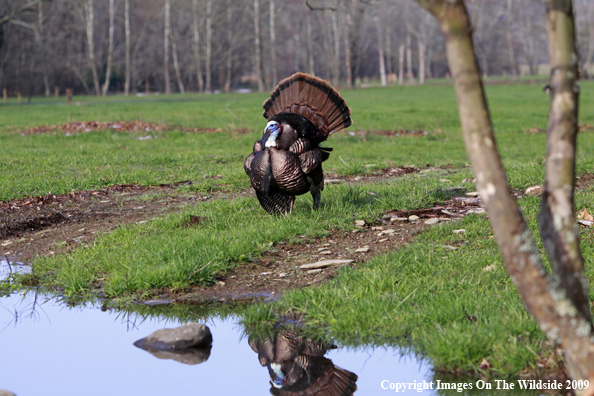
30	307
297	366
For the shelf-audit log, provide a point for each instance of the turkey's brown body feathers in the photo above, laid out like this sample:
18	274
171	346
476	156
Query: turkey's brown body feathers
297	367
308	110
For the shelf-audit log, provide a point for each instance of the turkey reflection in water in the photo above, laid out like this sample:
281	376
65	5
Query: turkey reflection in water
52	348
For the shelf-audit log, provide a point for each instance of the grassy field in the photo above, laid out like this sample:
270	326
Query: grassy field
419	296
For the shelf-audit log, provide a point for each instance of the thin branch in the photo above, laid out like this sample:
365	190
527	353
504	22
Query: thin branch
312	8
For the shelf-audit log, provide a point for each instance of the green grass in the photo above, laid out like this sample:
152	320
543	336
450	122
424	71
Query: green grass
37	165
420	296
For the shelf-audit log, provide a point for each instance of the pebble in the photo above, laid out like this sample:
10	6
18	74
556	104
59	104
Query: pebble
389	231
433	220
398	219
364	249
325	263
413	218
461	231
360	223
220	283
534	190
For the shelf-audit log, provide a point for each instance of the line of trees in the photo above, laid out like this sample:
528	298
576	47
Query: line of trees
102	46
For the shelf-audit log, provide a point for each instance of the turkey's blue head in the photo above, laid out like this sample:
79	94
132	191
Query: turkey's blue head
274	129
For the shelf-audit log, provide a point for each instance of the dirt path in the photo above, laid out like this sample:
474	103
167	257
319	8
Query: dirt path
49	225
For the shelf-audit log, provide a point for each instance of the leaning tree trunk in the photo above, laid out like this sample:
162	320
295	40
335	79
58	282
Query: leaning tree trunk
557	218
127	29
110	47
166	46
560	316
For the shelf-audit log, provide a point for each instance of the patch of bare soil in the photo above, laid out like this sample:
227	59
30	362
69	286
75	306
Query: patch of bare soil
52	224
280	269
41	226
124	126
584	181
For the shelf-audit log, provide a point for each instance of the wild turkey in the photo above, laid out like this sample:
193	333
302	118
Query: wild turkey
297	367
302	112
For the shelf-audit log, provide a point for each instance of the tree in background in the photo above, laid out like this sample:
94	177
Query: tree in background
559	302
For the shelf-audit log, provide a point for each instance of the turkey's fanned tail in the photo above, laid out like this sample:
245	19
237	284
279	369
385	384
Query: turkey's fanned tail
314	99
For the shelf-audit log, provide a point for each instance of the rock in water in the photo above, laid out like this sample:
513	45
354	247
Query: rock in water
189	356
190	335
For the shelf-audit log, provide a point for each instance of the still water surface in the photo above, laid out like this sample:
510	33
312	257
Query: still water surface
49	348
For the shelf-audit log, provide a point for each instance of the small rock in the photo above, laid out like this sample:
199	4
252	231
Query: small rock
460	231
389	231
314	271
360	223
398	219
282	275
534	190
190	335
431	221
383	240
472	194
325	263
364	249
377	228
220	283
157	302
413	218
326	252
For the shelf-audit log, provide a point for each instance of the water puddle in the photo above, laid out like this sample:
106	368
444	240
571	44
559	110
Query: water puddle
51	347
